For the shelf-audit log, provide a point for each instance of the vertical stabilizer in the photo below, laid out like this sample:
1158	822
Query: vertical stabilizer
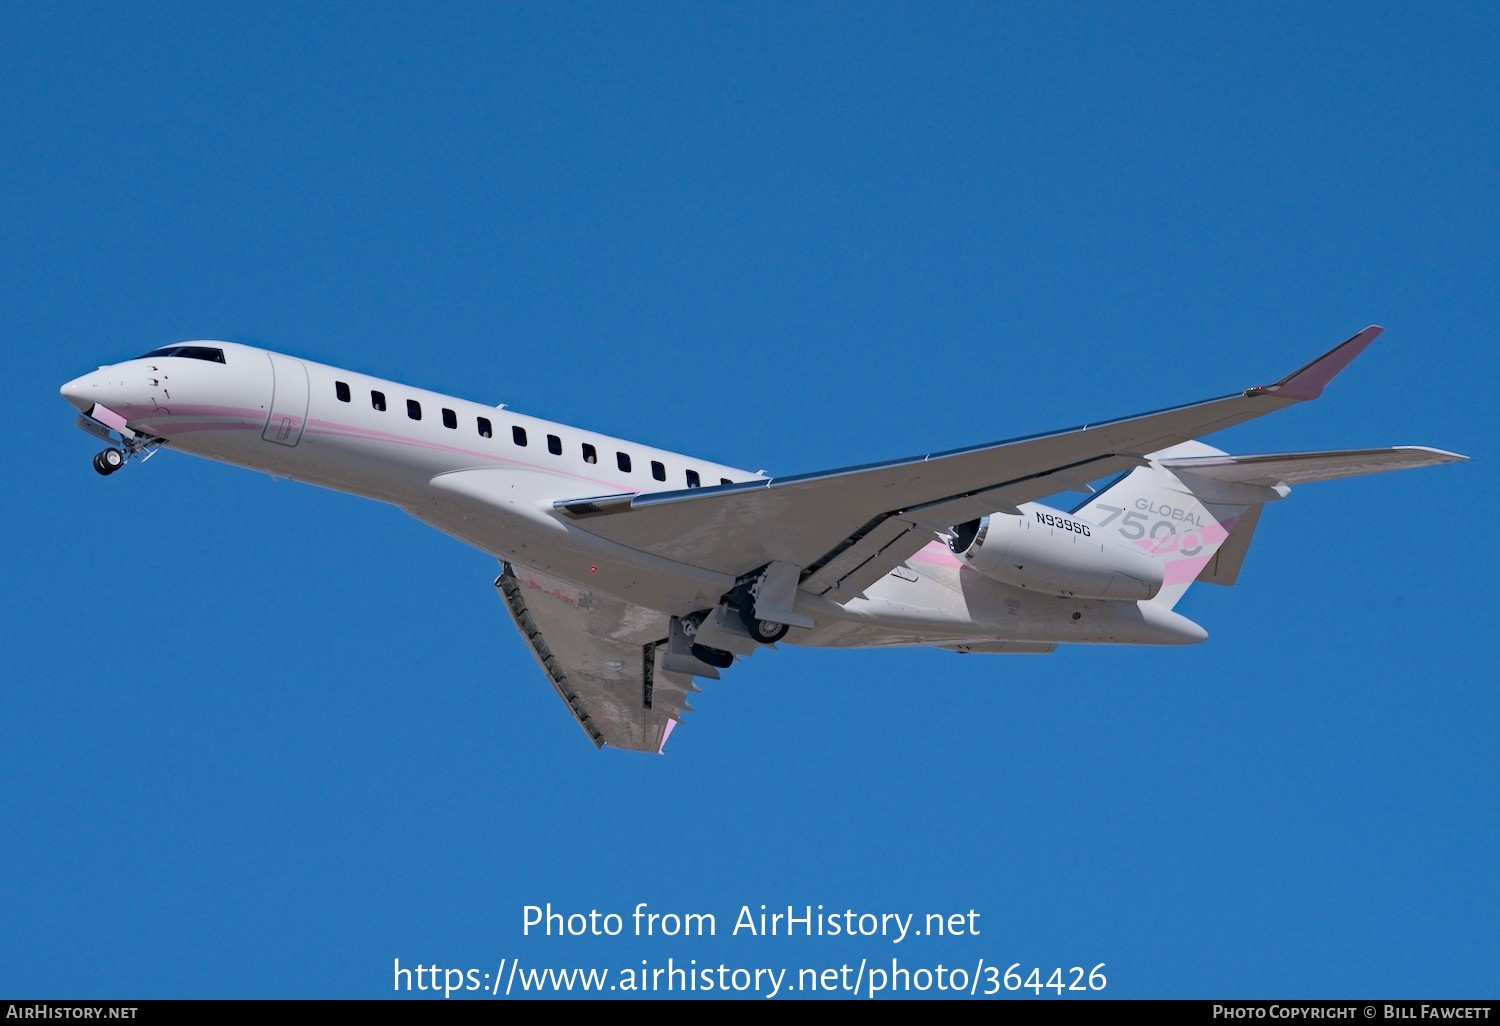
1181	519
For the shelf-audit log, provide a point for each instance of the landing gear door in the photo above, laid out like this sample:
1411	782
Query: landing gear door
288	401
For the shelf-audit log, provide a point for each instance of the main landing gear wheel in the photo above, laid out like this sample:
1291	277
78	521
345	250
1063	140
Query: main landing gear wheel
713	656
767	632
109	461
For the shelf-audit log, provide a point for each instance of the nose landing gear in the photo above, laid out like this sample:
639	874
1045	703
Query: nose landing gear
138	447
125	444
109	461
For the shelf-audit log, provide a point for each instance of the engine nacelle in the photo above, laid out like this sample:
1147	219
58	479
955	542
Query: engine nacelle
1050	552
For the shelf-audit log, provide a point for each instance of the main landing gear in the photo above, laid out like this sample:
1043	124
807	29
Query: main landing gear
767	632
765	603
715	657
756	611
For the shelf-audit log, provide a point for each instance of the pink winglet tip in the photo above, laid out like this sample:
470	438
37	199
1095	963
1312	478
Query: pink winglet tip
1309	382
671	724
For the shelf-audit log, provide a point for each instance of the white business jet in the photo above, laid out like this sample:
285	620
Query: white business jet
630	571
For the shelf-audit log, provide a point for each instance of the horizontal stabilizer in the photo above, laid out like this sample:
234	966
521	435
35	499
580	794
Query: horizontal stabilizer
1302	467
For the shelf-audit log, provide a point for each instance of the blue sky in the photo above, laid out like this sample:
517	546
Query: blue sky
259	740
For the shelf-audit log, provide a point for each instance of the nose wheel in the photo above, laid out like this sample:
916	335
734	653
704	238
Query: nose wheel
125	443
135	447
109	461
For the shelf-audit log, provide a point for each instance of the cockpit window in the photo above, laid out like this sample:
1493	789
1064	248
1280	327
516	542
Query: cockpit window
208	353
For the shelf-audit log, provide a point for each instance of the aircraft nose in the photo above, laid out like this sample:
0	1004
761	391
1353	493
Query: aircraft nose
81	392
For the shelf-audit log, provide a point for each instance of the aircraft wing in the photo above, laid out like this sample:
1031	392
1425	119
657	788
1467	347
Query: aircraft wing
600	653
848	528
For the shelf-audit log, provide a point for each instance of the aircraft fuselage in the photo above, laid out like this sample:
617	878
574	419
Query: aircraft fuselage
412	447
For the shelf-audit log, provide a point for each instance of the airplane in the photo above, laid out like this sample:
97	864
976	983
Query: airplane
632	571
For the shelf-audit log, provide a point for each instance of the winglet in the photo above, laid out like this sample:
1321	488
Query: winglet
1309	381
665	735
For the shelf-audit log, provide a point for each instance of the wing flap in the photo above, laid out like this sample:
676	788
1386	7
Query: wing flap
866	556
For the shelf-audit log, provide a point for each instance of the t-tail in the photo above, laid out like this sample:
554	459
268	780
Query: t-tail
1195	508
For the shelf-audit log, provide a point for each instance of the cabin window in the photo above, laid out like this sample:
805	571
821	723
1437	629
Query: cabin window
554	445
622	460
658	470
413	409
485	431
377	400
692	479
450	419
590	454
341	389
518	435
725	480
